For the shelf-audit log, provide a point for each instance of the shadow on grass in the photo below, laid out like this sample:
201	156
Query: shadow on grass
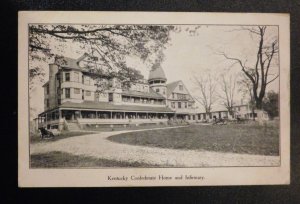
58	159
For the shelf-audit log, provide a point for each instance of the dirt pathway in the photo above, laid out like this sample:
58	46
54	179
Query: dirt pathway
96	145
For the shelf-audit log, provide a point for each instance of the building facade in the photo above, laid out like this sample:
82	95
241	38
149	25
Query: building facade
76	95
73	97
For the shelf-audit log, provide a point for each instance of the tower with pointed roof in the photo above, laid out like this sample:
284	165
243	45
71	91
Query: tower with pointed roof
157	81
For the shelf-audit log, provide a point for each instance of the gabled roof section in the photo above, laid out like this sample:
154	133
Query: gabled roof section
172	86
67	62
71	63
157	73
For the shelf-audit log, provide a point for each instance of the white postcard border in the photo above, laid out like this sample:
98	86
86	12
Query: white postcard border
99	177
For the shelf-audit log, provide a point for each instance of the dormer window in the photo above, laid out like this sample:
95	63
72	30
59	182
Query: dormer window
67	76
180	87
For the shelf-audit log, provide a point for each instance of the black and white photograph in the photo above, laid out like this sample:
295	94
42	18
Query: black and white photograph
151	96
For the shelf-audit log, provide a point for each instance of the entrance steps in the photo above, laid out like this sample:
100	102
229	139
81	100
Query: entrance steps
73	126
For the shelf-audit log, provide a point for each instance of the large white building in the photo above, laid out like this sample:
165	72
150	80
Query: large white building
72	97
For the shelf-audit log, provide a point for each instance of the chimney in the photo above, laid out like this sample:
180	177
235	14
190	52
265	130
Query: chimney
53	69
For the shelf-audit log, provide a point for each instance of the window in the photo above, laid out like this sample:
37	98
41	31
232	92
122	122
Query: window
199	116
47	89
189	117
57	77
185	104
194	118
58	101
181	96
157	90
110	97
76	76
173	104
67	76
180	87
87	81
82	79
179	104
88	93
173	95
47	103
97	96
67	93
76	91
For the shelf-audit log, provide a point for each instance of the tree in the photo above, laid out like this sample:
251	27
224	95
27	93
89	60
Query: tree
270	104
207	91
259	72
111	42
245	87
227	88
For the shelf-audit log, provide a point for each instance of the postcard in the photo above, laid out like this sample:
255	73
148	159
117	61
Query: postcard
111	99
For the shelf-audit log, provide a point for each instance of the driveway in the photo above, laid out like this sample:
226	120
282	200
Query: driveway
96	145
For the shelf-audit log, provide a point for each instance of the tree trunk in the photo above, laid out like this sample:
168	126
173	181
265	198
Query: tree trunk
258	103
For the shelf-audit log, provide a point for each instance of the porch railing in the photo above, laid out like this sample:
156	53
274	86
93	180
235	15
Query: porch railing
118	121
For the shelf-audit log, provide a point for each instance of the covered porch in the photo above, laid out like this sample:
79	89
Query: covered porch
57	119
113	117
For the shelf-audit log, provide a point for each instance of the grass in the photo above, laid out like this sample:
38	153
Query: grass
106	128
34	138
235	138
57	159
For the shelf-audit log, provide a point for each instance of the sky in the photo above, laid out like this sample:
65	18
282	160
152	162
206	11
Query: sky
192	52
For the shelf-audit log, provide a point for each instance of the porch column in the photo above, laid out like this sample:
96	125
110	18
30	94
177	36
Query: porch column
60	123
46	120
123	115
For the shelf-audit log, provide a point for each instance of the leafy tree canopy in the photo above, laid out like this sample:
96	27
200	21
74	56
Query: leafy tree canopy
113	43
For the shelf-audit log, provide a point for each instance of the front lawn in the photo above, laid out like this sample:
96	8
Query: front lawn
65	160
235	138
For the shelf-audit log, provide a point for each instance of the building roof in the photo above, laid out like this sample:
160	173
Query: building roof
157	73
150	94
67	62
112	107
46	83
171	87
